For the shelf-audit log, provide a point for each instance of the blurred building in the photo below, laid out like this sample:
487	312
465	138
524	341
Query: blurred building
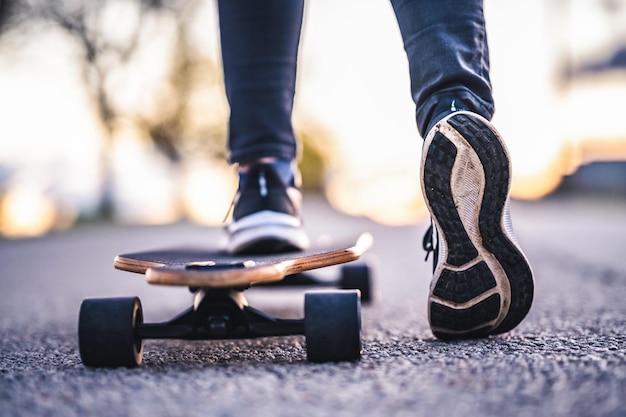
599	178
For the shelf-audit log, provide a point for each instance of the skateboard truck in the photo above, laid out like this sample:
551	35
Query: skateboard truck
224	314
112	331
220	314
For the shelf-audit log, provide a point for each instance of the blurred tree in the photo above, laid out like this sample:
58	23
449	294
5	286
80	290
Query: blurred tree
9	13
114	37
141	65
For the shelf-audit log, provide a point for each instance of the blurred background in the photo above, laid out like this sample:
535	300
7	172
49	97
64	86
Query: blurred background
115	110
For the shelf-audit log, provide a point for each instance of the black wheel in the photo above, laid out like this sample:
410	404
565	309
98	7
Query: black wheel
358	277
332	325
106	332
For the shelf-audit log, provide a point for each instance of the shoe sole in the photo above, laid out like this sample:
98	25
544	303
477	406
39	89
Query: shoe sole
266	232
482	283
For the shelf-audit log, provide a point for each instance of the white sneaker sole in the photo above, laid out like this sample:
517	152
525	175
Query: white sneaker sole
266	232
482	283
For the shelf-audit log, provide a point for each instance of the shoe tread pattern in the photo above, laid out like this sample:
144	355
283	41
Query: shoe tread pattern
461	286
438	166
496	167
456	322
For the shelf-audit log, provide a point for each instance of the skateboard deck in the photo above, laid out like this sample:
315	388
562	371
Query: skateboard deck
111	331
215	268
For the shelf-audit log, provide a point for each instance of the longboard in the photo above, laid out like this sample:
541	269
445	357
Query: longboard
111	331
214	268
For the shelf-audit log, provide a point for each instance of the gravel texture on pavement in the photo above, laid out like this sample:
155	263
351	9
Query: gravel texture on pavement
568	358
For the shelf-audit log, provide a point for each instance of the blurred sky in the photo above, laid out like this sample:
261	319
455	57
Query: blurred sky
557	83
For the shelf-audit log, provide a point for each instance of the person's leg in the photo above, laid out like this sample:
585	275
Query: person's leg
482	283
446	46
259	42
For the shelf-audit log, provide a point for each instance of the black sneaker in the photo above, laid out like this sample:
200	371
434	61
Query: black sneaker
266	214
482	282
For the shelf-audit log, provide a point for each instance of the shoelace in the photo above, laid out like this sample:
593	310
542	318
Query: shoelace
431	245
231	209
262	188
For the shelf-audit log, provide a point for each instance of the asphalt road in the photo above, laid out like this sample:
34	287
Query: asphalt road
568	358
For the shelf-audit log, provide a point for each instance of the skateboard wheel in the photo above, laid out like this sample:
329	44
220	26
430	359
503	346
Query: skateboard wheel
358	277
332	322
106	332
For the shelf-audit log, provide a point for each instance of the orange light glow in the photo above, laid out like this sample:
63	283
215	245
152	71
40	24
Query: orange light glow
388	199
208	190
26	212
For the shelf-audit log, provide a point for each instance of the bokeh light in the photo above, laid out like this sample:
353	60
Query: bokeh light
143	129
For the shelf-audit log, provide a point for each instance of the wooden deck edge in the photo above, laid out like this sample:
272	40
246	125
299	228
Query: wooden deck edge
160	274
133	265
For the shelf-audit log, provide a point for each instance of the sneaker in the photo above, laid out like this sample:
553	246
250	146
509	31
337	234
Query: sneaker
482	282
266	214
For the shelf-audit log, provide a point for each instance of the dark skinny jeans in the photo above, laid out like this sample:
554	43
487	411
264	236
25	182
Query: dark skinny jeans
445	42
